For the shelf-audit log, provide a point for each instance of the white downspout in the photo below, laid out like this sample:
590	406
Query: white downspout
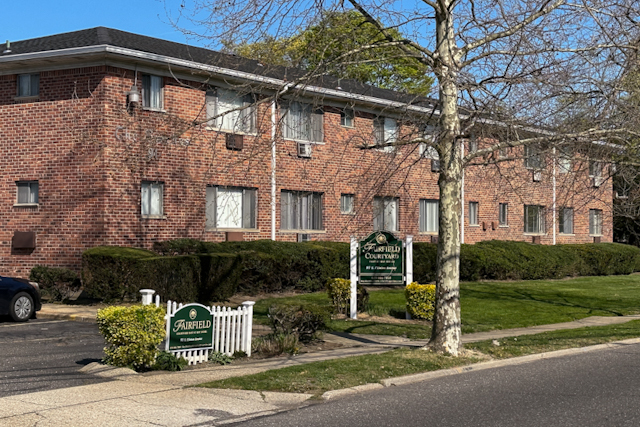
462	197
555	160
273	170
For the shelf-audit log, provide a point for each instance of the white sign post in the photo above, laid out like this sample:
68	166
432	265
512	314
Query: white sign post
409	267
353	268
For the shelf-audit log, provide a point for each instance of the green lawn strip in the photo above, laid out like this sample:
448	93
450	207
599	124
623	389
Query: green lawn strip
557	340
497	305
318	377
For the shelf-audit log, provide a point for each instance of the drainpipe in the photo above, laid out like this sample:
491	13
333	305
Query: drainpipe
555	160
462	197
273	170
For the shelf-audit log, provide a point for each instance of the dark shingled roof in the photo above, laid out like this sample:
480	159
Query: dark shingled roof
107	36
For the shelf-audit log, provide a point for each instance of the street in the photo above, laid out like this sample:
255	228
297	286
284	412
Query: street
598	388
46	354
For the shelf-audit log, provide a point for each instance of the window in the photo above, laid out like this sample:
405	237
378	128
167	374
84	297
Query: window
241	112
429	216
231	207
595	222
151	200
302	122
504	152
27	193
428	151
300	210
473	213
346	117
473	145
28	84
565	220
347	204
564	160
385	213
532	157
385	132
152	92
534	219
503	214
595	169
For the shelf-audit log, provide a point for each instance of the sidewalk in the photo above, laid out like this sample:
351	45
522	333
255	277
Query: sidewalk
160	398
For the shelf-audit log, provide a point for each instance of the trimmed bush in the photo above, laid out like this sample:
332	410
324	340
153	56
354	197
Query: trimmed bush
167	361
339	291
132	334
302	320
421	300
57	284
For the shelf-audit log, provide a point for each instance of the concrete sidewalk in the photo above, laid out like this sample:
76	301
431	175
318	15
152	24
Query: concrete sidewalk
160	398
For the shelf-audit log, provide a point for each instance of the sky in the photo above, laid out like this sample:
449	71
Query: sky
47	17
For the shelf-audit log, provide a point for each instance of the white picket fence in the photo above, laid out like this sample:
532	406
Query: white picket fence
232	330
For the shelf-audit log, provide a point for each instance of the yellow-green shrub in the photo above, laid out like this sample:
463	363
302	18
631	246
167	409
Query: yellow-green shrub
339	291
421	300
132	334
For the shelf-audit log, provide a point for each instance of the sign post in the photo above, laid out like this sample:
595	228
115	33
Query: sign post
353	273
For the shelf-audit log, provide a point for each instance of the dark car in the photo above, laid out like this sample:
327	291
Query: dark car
19	298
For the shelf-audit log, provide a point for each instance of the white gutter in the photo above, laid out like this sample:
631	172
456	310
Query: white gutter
273	170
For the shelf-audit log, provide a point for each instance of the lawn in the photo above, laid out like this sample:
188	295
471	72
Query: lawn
496	305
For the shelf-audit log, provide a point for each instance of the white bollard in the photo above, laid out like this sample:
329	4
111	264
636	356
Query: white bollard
147	296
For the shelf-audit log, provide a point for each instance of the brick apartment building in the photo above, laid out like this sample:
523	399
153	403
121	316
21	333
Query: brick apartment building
83	164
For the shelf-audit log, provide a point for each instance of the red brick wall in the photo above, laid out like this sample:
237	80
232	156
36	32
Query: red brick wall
90	154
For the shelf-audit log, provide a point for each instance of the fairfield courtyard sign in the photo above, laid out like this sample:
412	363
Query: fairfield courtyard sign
381	259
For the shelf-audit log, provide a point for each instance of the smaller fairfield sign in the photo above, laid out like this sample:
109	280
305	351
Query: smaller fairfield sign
191	327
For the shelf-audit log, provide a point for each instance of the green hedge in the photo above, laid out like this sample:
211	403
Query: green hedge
189	270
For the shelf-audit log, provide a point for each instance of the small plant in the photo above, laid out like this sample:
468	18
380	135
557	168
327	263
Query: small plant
276	344
303	320
167	361
219	358
420	300
132	334
57	284
339	291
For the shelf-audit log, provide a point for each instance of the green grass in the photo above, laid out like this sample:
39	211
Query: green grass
497	305
318	377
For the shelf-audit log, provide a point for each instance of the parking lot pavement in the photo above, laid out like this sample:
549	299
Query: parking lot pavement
46	354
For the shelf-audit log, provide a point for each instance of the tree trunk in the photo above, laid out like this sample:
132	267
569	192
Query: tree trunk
446	332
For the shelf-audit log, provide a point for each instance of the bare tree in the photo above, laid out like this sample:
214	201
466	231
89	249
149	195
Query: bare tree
511	71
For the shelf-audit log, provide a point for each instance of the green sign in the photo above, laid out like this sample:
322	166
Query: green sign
381	259
191	327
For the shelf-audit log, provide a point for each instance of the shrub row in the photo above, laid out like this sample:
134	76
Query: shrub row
190	270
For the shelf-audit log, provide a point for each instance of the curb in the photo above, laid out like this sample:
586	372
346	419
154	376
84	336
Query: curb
332	394
71	317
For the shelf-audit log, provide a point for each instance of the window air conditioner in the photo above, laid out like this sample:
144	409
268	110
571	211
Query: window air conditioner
537	176
234	142
304	149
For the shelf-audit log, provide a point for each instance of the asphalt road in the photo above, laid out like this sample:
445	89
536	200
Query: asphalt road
46	354
599	388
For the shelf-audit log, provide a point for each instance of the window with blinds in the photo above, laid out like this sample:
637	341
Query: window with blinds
230	207
300	210
385	213
429	216
302	122
231	111
152	96
151	199
565	220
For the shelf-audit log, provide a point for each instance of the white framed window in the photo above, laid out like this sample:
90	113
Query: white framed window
503	214
347	204
532	157
27	192
28	85
347	117
595	222
473	213
302	122
429	216
152	94
231	207
564	160
565	221
385	213
385	131
233	111
300	210
595	169
151	198
534	219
